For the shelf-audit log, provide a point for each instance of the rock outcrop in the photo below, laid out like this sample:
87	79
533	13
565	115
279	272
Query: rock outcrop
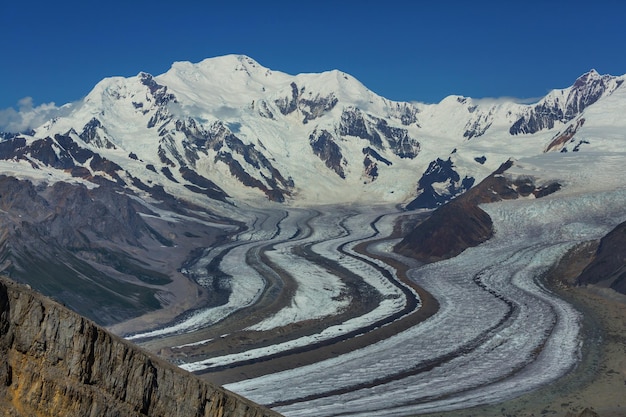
461	223
57	363
439	184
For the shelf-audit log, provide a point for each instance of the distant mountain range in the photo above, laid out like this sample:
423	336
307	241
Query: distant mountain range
231	130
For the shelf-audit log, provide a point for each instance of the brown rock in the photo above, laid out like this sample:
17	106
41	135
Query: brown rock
461	223
58	363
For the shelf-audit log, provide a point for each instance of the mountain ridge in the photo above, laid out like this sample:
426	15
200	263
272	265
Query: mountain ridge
239	125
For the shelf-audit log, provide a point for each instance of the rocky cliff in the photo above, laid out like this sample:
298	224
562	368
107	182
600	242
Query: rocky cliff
57	363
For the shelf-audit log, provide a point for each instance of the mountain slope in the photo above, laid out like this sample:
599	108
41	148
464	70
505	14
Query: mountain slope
107	255
461	223
607	266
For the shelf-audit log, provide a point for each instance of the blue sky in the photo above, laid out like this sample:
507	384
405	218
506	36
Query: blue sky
402	50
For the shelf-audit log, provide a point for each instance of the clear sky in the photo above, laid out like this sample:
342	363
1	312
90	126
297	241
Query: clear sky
56	51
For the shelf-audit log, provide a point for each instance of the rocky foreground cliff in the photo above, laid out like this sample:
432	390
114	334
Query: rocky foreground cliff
57	363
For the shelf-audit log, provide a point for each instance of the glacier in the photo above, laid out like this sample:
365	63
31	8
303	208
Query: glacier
308	177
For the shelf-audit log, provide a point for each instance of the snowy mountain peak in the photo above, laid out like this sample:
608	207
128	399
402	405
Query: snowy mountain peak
561	106
586	78
229	126
235	64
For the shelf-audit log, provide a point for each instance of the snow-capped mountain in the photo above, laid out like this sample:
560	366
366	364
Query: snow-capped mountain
230	129
147	208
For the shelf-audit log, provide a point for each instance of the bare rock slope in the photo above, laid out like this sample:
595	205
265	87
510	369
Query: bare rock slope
608	266
461	223
57	363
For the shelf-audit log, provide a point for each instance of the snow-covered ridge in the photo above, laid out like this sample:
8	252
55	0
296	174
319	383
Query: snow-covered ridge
258	133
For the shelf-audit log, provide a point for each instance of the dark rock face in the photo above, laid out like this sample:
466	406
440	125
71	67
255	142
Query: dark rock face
197	136
399	140
311	108
362	125
12	147
61	152
288	104
158	91
587	89
91	134
324	145
541	117
460	223
370	168
160	97
608	265
478	126
264	110
207	186
219	138
407	114
370	163
163	156
376	156
439	171
317	106
56	363
353	123
248	180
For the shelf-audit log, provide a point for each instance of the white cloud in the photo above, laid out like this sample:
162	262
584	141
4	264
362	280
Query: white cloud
27	116
490	101
500	100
